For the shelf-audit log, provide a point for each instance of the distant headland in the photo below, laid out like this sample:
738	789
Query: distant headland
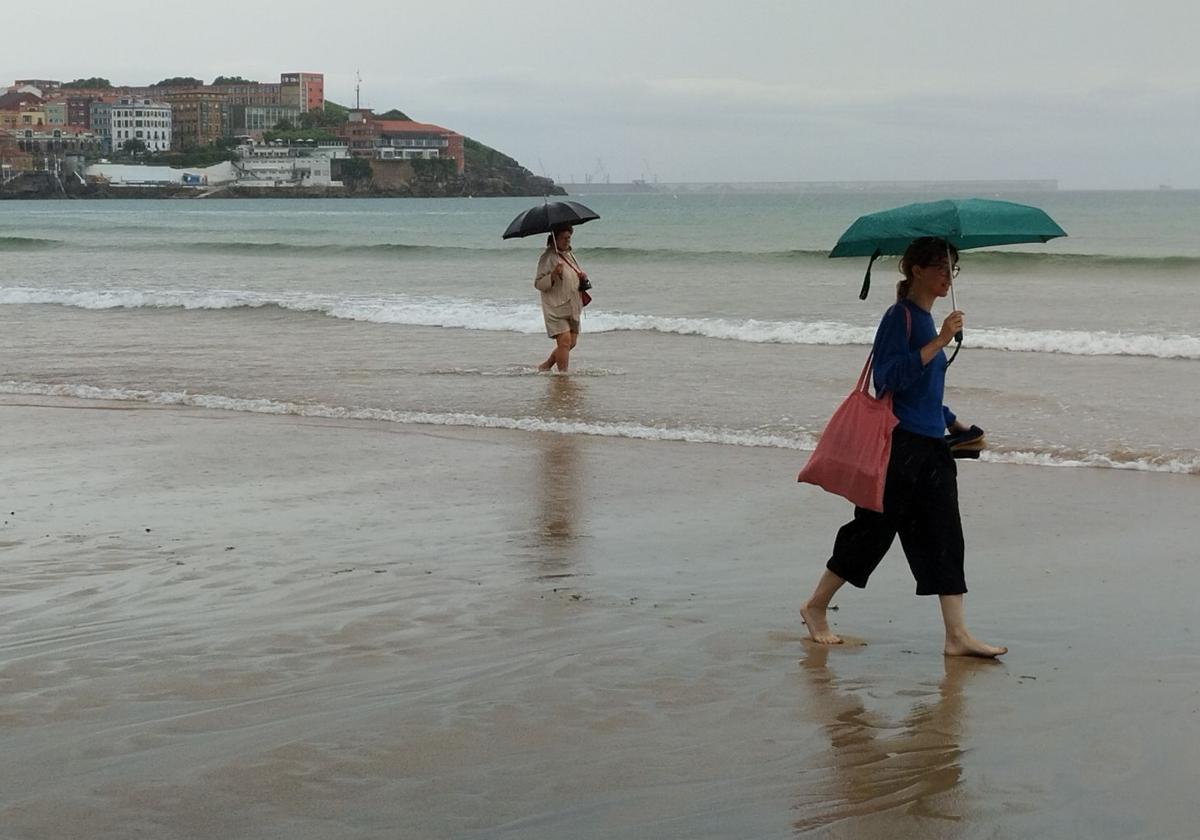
234	137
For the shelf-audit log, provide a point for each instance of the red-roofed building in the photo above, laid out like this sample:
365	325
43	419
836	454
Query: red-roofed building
17	101
368	136
21	110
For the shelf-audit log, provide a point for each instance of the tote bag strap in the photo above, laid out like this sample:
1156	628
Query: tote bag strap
864	378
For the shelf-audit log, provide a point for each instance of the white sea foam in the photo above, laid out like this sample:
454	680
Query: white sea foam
525	318
729	437
1095	460
798	440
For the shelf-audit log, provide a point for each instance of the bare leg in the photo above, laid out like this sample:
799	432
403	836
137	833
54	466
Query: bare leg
959	642
813	612
562	353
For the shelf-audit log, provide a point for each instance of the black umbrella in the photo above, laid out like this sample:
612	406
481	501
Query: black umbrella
546	217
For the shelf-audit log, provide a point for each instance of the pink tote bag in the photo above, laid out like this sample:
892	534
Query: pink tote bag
851	458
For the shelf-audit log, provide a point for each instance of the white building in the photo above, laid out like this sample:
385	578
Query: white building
273	165
135	175
141	119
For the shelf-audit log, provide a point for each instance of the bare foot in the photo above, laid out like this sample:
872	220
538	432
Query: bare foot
818	627
968	645
546	365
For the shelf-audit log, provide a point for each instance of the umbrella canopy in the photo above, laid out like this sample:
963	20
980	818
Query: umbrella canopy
965	223
548	216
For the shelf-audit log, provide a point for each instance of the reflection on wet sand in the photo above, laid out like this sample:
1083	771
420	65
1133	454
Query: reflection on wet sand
879	773
558	479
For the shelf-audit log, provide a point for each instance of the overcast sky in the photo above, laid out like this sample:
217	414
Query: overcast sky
1099	94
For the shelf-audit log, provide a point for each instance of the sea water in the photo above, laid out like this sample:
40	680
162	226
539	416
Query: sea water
717	317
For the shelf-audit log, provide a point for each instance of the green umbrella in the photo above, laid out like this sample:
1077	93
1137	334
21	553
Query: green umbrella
964	223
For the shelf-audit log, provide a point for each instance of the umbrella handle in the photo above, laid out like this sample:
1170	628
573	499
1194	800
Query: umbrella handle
954	355
958	336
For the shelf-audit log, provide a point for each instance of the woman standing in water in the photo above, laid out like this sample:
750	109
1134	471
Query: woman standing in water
560	281
920	498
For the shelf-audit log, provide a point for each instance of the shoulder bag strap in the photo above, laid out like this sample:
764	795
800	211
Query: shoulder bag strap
864	378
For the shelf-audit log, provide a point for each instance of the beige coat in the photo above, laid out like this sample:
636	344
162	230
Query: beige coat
560	292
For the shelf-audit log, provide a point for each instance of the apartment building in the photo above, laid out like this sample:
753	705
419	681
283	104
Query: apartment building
302	91
199	116
130	118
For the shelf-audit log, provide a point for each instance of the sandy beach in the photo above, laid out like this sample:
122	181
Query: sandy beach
229	625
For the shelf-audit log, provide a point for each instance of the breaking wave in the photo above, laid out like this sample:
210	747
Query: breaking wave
729	437
797	440
1027	261
27	243
498	316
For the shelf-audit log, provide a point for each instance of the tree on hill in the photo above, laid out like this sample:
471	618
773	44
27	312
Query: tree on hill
330	105
479	156
394	114
320	119
233	80
179	81
93	82
497	173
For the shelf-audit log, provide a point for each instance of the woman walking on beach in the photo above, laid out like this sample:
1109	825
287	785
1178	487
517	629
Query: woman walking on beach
920	499
560	281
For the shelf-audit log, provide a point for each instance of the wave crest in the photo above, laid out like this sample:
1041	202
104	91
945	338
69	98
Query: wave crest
497	316
798	440
27	243
1027	261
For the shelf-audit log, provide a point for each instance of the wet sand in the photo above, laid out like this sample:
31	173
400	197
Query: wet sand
221	625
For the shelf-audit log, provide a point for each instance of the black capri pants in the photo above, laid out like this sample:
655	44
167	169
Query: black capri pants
920	503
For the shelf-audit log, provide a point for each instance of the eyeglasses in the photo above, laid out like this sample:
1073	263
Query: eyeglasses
940	265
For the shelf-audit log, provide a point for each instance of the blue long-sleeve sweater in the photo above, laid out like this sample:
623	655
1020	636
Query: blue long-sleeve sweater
917	390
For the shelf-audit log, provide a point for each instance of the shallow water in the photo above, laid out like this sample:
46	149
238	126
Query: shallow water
716	317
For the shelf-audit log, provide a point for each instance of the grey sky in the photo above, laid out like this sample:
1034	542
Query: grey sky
1097	94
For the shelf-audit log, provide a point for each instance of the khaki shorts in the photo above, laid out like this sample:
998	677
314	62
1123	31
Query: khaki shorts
556	324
